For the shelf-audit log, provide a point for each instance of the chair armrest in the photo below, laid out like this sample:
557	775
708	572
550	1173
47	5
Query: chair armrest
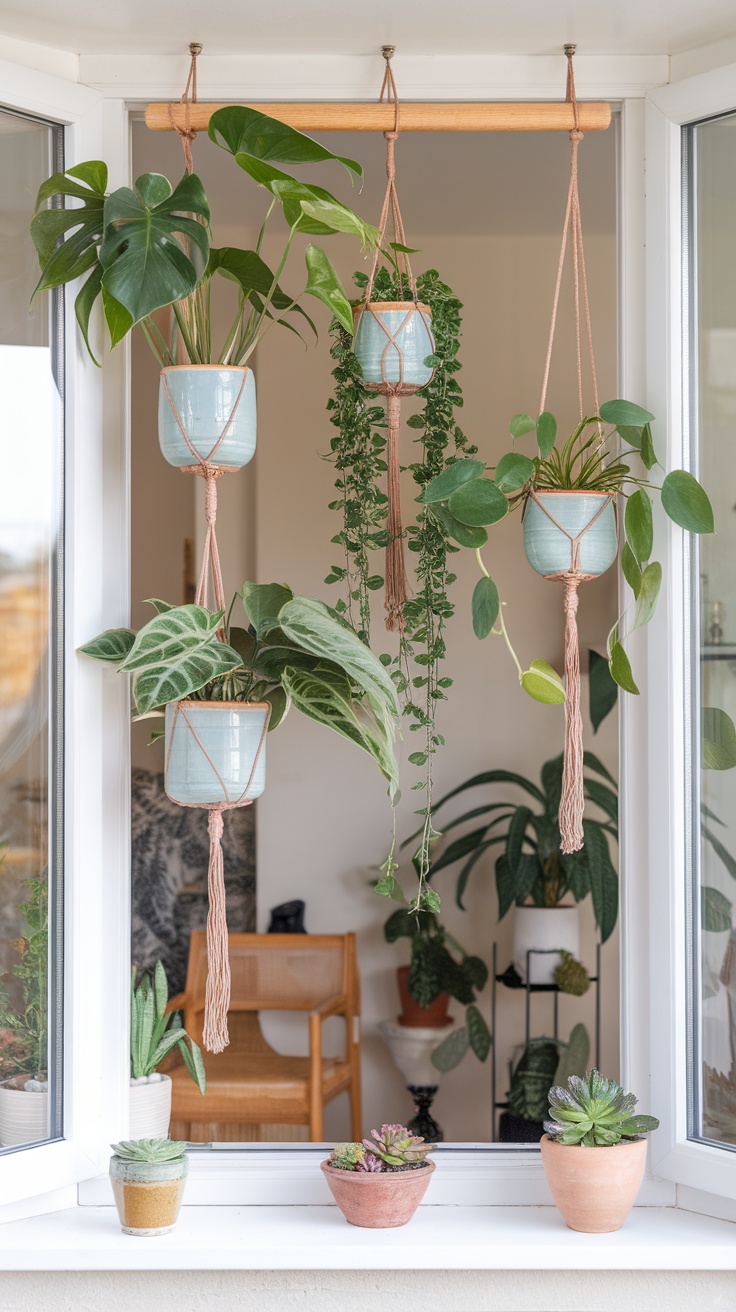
177	1003
334	1006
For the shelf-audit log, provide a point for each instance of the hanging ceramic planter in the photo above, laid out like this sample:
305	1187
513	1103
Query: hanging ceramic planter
392	341
553	520
207	413
548	930
24	1113
215	752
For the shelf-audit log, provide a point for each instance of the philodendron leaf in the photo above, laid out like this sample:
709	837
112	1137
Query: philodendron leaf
715	910
478	1033
263	602
546	433
478	503
631	569
513	471
638	525
521	424
329	700
149	235
646	601
450	1052
165	638
485	606
718	739
242	130
621	669
112	645
466	535
624	412
685	501
157	685
329	216
279	703
454	476
324	283
543	683
603	691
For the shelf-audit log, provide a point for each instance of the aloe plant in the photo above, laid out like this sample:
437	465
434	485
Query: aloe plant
595	1112
149	1150
295	650
148	246
153	1033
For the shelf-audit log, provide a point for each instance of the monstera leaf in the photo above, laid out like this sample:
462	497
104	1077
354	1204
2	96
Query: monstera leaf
147	230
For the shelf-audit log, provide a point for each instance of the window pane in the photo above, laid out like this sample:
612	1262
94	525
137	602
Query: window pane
711	148
30	681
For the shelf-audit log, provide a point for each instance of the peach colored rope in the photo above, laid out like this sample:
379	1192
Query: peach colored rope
573	224
187	134
391	208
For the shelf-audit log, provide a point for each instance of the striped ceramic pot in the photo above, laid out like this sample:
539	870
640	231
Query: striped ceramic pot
548	547
211	750
204	400
392	341
24	1115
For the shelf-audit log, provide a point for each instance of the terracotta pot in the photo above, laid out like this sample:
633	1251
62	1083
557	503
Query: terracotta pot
594	1188
380	1201
432	1017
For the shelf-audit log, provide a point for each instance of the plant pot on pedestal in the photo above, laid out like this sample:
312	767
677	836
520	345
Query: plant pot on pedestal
411	1048
392	341
215	751
24	1113
215	405
544	929
414	1016
594	1188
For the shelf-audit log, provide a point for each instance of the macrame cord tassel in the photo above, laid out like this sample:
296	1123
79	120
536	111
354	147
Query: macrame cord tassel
572	799
217	994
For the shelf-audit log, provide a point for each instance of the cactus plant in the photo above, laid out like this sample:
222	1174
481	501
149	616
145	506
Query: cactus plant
397	1147
595	1112
571	976
149	1150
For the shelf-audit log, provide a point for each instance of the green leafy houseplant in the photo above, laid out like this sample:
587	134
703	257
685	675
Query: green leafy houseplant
24	1048
295	650
595	1112
440	965
357	450
393	1148
532	868
591	459
153	1033
541	1063
146	247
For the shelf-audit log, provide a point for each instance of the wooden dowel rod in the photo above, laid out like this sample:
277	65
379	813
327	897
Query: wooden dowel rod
444	116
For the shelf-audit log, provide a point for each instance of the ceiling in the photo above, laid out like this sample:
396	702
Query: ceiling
354	27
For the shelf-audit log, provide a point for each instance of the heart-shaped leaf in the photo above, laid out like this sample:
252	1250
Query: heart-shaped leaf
624	412
450	1052
459	532
242	130
478	503
546	433
685	501
484	606
621	669
638	525
513	471
454	476
543	683
521	424
263	602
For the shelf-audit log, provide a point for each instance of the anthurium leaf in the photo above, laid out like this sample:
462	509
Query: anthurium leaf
624	412
603	692
715	910
157	684
631	570
621	669
546	433
685	501
112	645
323	282
450	479
718	739
638	525
263	602
450	1052
521	424
513	471
466	535
329	700
543	683
478	503
478	1032
240	129
485	606
146	265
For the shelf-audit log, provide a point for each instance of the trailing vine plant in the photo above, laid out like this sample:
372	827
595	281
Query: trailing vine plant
358	451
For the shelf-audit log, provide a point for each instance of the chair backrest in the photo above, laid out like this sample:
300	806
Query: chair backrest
288	972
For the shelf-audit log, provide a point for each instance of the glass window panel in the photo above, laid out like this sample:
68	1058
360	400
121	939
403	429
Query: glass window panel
31	442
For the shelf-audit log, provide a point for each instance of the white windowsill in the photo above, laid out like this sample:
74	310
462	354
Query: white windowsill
318	1238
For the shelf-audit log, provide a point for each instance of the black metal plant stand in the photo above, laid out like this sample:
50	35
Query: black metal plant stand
422	1122
511	979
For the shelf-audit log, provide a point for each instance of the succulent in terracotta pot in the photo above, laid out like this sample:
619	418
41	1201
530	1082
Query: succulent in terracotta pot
379	1183
594	1152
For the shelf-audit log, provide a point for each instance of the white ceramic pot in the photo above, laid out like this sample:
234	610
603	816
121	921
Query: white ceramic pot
150	1107
24	1116
546	929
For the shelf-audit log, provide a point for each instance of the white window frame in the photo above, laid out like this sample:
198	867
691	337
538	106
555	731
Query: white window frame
655	732
97	834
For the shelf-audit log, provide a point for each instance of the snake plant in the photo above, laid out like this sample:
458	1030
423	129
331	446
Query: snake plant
154	1032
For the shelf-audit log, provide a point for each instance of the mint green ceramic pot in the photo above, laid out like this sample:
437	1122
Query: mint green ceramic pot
549	550
213	760
204	397
380	359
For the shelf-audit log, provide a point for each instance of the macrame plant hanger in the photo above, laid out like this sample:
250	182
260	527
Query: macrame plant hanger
396	584
572	801
217	995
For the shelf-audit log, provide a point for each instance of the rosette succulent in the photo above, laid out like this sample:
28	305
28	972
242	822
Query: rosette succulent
353	1157
595	1112
396	1146
149	1150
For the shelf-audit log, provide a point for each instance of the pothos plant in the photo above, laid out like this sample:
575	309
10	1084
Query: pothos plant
148	246
591	459
357	451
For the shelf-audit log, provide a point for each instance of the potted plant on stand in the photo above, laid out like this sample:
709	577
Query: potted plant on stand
24	1098
154	1033
379	1183
148	1178
594	1152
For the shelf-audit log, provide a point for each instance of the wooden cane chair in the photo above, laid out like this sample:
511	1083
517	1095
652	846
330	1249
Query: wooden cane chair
250	1083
